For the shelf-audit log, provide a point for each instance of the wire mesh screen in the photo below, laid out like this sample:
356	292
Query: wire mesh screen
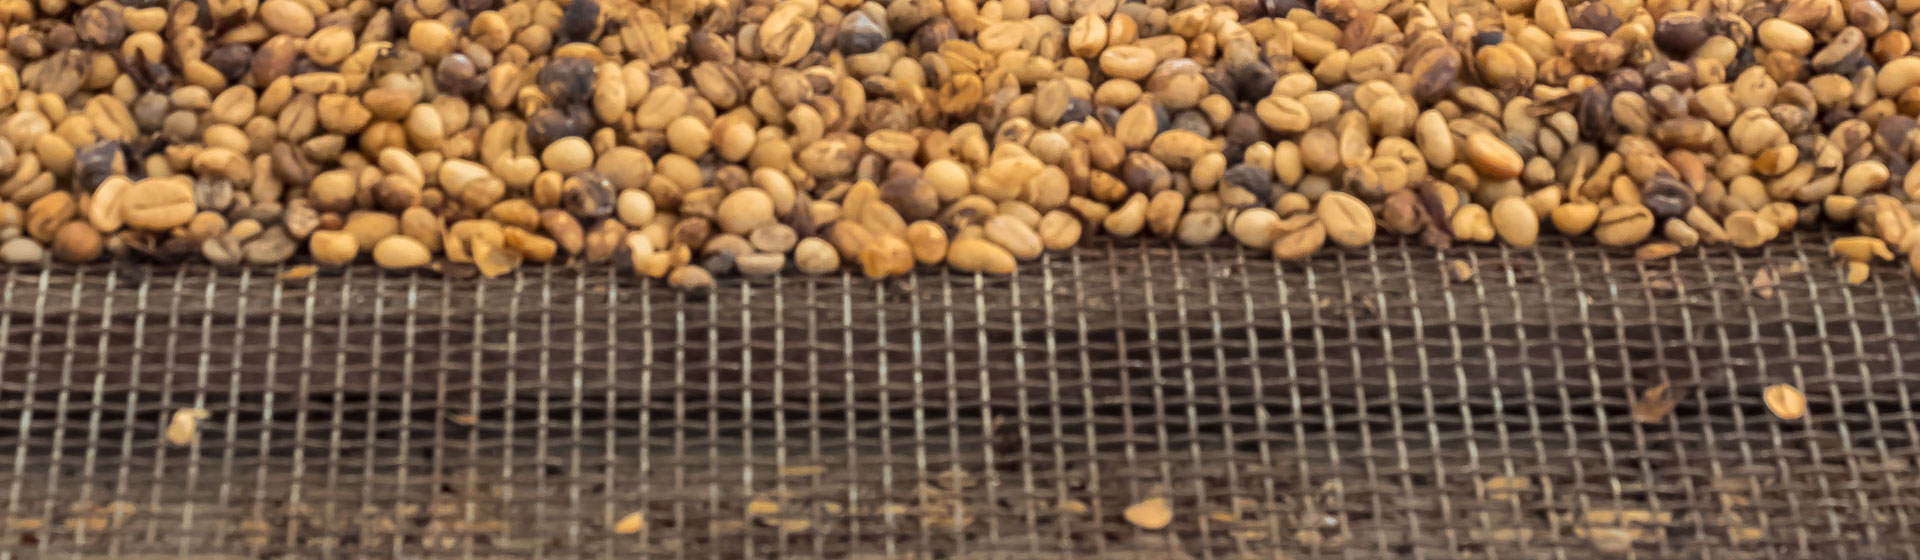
1389	402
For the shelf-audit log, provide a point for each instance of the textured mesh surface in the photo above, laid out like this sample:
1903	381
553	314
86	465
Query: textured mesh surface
1369	404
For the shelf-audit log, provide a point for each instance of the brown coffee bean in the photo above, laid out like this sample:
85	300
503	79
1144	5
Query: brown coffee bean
1681	32
76	242
1666	196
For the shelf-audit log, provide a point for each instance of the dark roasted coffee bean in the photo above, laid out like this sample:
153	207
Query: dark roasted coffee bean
1680	32
1666	196
1595	114
589	196
232	60
579	21
457	75
1256	180
860	34
94	164
550	125
567	81
1078	109
1144	174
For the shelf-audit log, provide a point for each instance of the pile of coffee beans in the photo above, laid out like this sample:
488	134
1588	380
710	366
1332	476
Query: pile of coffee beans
689	139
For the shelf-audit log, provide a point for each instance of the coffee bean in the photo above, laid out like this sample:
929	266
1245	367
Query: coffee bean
1515	222
1348	220
1624	225
1666	196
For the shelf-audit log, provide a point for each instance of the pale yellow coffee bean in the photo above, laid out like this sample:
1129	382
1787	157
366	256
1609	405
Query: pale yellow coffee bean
1656	251
630	523
103	211
1129	218
1785	401
979	255
886	255
1623	225
1898	76
814	255
1018	238
1254	227
1574	218
568	155
744	210
688	137
1302	242
1059	230
760	264
635	208
1348	220
1782	35
287	17
1151	514
333	247
928	241
1472	223
368	228
158	204
1129	62
1515	222
690	278
1861	248
185	425
1748	229
1493	158
399	251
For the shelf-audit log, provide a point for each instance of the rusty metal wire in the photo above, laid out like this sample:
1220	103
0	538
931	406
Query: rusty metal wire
1379	403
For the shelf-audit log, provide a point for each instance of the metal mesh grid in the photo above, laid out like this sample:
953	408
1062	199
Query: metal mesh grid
1369	404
